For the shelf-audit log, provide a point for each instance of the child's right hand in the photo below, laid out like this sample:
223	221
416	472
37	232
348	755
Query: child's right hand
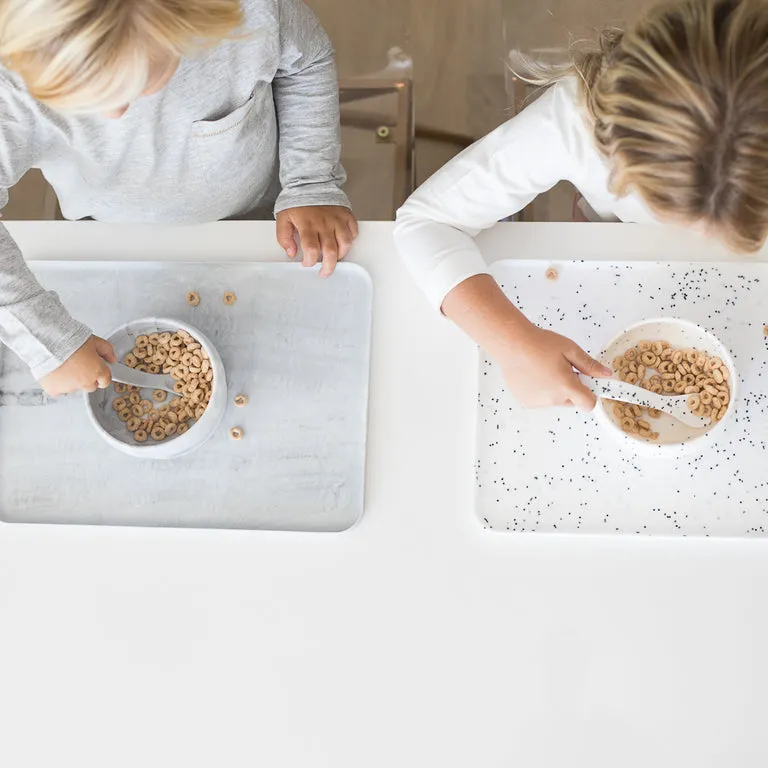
84	370
539	370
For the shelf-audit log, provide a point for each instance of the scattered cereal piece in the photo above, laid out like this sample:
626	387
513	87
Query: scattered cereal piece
230	298
193	298
236	433
551	274
241	401
159	395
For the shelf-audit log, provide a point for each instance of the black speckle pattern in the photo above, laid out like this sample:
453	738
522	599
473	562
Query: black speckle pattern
561	471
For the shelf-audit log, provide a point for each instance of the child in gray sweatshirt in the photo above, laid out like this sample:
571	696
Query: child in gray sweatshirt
163	111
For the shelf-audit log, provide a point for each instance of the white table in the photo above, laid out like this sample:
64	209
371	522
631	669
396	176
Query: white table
415	639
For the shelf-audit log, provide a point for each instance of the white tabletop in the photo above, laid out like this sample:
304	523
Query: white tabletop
415	638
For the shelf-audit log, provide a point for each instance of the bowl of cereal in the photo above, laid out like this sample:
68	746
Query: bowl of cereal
154	424
673	357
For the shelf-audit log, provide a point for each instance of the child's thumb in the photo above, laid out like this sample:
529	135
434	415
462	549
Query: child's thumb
587	365
106	350
285	236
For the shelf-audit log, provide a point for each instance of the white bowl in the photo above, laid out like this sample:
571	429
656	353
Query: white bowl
675	438
109	426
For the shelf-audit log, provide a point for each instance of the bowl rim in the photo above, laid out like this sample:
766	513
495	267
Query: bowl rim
681	448
185	443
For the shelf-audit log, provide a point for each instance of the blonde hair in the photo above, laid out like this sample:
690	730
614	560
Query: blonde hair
679	103
96	55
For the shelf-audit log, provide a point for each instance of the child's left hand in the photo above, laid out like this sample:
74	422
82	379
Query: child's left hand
324	230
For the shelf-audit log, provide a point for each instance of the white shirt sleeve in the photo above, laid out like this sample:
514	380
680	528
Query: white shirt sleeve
495	178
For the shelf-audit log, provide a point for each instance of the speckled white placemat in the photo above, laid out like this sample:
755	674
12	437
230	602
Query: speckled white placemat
296	345
558	471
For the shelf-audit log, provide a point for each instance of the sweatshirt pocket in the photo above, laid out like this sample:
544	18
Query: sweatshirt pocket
238	153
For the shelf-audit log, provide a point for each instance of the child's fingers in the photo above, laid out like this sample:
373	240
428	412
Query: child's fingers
330	250
344	239
353	228
310	245
580	396
585	364
286	237
106	350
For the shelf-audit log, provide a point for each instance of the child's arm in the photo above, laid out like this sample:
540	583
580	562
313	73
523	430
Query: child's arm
435	233
307	101
61	352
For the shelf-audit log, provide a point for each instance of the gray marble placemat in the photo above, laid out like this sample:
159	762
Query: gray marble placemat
298	346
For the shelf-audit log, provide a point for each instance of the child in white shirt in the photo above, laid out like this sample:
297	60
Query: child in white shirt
668	121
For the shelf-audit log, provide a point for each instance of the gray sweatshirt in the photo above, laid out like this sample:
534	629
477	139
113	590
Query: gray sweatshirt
248	125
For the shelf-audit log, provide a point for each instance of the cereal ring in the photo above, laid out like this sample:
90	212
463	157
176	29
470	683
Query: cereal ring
153	337
721	413
655	379
644	346
657	389
241	401
677	357
706	397
627	424
119	404
146	405
668	385
140	353
648	359
618	410
182	428
133	424
172	418
630	354
236	433
178	387
159	395
153	368
134	398
125	414
120	388
131	360
140	435
641	370
158	358
193	298
137	410
158	433
694	402
618	363
209	376
170	429
657	347
716	404
690	355
631	378
680	388
140	367
645	432
717	375
691	391
186	358
199	411
666	354
654	413
714	362
142	341
689	379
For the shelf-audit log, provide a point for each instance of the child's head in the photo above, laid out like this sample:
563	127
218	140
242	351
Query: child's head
96	56
679	102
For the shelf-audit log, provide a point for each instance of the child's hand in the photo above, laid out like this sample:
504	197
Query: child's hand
85	370
539	370
325	231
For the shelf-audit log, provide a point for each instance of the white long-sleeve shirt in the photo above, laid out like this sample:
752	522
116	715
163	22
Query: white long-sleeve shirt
548	142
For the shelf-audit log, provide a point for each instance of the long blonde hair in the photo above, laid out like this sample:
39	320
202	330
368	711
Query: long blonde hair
679	103
96	55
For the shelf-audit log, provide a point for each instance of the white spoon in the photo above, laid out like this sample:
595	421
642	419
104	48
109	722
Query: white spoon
674	405
126	375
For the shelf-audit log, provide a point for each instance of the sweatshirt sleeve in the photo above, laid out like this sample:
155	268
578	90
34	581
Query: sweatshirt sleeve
491	180
306	92
33	322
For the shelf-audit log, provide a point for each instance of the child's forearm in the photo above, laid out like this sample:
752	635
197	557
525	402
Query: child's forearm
480	308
